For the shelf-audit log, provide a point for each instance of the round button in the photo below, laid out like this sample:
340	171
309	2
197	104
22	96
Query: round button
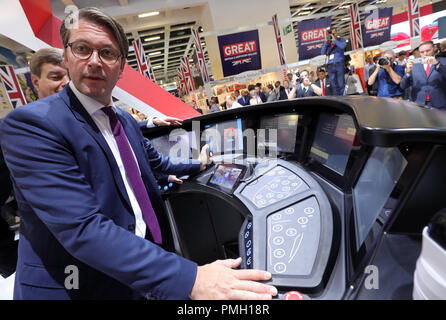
291	232
249	225
277	228
278	241
248	243
309	210
302	220
289	210
293	295
246	234
280	267
279	253
277	216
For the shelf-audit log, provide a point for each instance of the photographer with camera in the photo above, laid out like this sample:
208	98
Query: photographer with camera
427	76
333	48
388	74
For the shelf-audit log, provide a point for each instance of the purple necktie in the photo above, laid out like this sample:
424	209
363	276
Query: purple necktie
131	168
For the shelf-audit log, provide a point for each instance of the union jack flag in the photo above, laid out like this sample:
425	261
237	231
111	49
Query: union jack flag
12	86
144	66
202	68
187	74
414	17
181	84
355	27
279	41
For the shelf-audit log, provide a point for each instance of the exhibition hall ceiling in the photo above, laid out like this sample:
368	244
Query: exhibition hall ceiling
165	29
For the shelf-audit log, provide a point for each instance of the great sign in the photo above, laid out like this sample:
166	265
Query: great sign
377	23
316	34
239	48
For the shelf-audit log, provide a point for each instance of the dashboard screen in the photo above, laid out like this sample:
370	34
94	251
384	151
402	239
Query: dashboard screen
226	176
378	178
283	139
333	141
225	137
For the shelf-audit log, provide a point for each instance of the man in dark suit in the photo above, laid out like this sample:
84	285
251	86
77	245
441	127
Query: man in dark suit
427	79
324	82
93	223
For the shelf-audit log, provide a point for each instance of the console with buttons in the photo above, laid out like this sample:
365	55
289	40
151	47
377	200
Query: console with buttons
290	229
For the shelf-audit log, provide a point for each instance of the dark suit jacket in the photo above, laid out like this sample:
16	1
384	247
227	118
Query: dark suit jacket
75	210
434	84
328	87
300	93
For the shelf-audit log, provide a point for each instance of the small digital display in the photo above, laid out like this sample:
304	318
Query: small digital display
333	141
225	137
279	133
226	177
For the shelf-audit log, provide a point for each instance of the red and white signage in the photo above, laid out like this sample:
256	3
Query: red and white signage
144	65
316	34
355	27
282	58
12	86
202	68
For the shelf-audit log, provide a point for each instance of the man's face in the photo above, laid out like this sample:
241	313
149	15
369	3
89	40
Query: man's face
53	78
290	76
334	31
93	77
257	90
389	56
369	59
303	75
321	75
286	84
427	50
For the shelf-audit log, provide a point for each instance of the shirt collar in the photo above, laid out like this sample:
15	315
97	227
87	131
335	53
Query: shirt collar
90	104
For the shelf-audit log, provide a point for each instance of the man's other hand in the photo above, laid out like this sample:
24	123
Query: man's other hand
167	121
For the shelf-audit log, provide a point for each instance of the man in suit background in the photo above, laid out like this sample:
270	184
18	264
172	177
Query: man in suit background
304	88
324	82
82	173
427	79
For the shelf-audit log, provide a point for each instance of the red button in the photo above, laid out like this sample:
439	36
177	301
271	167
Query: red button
293	295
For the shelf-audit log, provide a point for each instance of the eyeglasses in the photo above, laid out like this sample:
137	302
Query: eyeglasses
83	51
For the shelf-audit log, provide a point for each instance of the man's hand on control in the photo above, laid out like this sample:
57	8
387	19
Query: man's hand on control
219	281
167	121
173	178
204	158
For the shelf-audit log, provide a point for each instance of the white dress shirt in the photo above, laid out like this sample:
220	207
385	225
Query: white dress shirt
93	108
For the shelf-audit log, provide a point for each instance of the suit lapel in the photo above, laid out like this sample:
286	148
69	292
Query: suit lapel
89	125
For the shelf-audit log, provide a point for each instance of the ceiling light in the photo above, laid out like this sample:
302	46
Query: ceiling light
345	19
154	53
303	13
157	67
344	7
152	38
148	14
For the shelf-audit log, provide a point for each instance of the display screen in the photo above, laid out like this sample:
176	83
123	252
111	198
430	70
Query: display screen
333	141
378	178
226	177
279	133
225	137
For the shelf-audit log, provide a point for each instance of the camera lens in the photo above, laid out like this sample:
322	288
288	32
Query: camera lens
383	61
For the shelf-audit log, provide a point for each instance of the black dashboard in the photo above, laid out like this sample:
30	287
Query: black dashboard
309	189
